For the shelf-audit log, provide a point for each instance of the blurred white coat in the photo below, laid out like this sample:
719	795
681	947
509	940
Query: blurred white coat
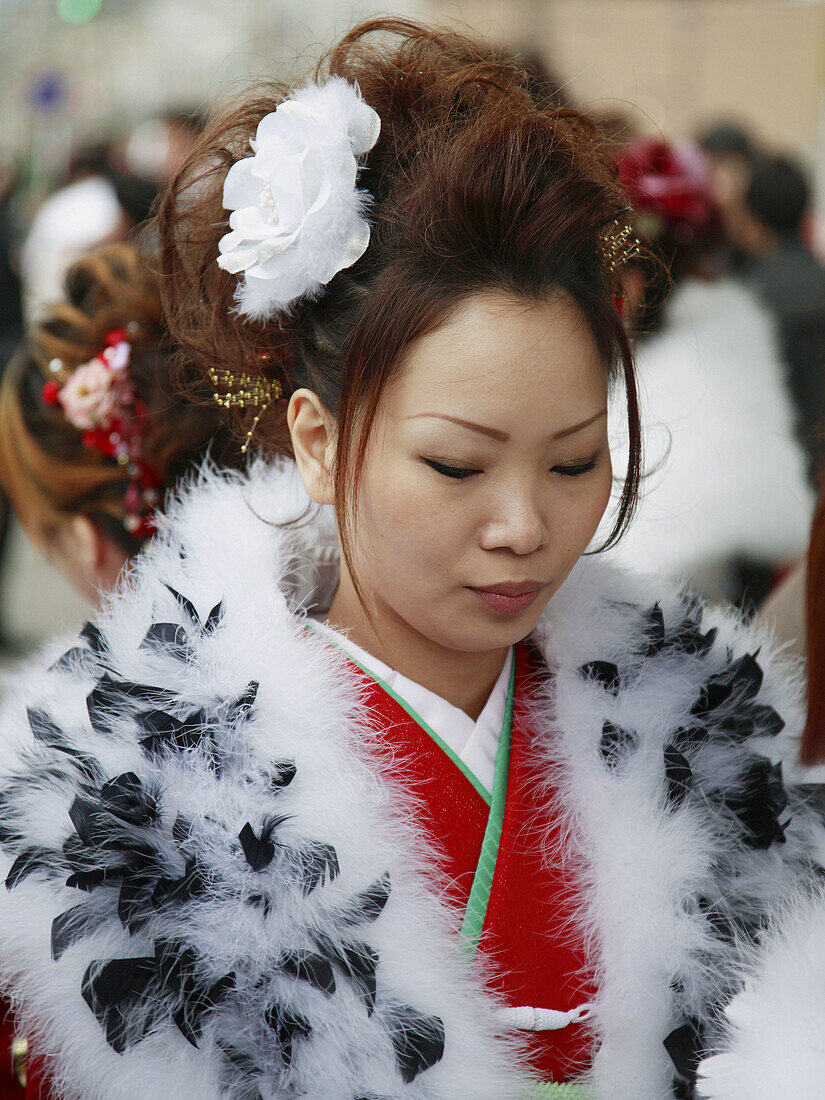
726	476
70	222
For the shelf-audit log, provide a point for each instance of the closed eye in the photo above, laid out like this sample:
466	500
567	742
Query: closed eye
457	472
575	470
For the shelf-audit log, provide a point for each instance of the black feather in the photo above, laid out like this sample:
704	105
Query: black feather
214	619
691	641
258	851
197	1002
314	863
124	694
166	733
288	1026
240	1061
97	642
78	657
120	995
359	963
418	1040
47	733
741	682
604	673
125	798
767	721
310	967
31	860
758	804
193	884
168	638
241	708
73	925
678	776
186	606
181	830
685	1045
367	906
616	745
286	772
690	737
655	629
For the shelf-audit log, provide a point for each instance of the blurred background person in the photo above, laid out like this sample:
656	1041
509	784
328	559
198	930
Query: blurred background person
80	215
108	194
726	503
11	306
92	436
790	281
731	154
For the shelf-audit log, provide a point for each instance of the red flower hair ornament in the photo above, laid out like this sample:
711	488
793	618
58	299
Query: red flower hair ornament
669	186
98	399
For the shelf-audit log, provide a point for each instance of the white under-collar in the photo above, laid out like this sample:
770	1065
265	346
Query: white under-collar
474	743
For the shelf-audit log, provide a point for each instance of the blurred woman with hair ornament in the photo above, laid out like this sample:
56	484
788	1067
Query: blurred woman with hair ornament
726	502
92	435
373	783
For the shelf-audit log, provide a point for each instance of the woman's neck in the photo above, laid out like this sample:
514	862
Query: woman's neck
464	679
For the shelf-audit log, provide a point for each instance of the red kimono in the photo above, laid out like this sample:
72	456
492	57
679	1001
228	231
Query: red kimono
518	905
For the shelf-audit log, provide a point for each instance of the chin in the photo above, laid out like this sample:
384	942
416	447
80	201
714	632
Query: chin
479	636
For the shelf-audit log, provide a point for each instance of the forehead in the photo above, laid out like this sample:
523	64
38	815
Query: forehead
505	358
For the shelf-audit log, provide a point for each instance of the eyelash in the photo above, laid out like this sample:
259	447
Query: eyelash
461	473
577	470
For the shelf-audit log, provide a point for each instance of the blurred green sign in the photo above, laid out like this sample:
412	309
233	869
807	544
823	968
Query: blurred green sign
78	11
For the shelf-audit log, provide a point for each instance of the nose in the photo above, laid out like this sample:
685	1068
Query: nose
516	523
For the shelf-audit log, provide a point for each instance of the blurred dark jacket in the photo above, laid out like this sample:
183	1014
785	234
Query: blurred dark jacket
791	282
11	311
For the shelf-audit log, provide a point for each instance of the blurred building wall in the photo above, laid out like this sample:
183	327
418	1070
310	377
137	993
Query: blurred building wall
675	64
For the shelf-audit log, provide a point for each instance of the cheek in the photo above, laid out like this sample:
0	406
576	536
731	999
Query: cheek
585	516
408	527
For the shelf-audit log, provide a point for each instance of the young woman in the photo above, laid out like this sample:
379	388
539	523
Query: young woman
92	436
373	784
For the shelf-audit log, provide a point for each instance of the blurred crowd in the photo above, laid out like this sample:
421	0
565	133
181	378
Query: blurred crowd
725	297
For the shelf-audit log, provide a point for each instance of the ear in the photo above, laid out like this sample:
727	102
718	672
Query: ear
87	544
313	443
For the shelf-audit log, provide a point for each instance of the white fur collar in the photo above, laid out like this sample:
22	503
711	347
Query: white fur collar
673	810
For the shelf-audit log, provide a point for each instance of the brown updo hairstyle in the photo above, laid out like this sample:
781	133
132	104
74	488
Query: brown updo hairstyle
477	183
48	474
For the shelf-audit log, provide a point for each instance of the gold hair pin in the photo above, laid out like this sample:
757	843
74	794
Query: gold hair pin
239	390
618	246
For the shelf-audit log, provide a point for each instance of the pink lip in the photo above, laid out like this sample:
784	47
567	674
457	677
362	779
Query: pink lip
509	599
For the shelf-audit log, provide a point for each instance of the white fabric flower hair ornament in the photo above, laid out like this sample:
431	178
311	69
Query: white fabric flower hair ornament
297	216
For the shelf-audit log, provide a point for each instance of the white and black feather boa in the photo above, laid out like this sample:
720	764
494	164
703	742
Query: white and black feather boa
214	889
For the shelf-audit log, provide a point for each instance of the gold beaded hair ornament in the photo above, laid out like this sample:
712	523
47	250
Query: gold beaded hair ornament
240	390
618	247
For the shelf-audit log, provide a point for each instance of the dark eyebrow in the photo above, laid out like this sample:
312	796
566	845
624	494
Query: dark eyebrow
493	433
503	437
578	427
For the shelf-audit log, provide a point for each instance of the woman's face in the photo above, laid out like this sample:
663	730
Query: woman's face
487	473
